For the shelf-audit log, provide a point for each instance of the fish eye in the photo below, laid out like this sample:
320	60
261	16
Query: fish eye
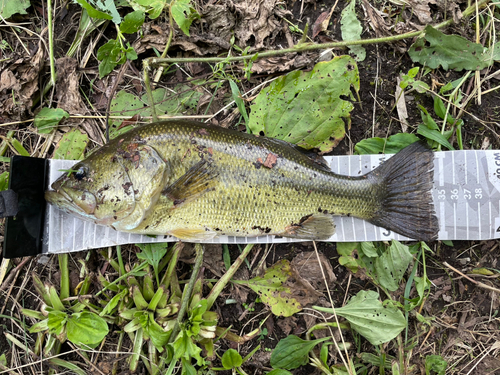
80	173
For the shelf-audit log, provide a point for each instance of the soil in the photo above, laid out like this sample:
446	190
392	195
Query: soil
462	323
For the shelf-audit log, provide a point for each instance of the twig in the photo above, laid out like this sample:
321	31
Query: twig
12	273
156	61
53	75
221	284
113	90
478	283
186	295
167	47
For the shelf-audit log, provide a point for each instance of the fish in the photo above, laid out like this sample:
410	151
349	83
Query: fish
196	181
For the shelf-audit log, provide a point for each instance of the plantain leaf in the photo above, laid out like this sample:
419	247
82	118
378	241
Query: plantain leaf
367	316
390	145
9	7
293	352
86	328
392	264
308	109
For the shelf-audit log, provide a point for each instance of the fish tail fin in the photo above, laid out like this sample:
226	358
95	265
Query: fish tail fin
406	205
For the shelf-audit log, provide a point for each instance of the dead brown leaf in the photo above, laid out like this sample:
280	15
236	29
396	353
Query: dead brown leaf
246	18
18	87
282	63
422	9
306	265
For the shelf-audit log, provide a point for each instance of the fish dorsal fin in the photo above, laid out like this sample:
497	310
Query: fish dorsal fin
198	180
312	227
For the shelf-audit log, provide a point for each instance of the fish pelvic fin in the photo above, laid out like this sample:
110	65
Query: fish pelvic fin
192	234
198	180
311	227
406	206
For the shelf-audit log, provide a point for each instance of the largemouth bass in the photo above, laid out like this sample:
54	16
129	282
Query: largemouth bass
196	181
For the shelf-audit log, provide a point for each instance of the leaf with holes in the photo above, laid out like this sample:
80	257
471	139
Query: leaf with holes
123	104
272	290
308	109
71	145
351	30
437	49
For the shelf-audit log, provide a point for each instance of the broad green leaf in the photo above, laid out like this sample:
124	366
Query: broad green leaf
72	145
184	14
434	135
367	316
347	256
271	289
69	365
3	360
109	56
86	329
391	145
94	13
351	29
293	352
56	321
4	181
279	371
132	22
10	7
391	266
231	359
436	49
238	100
307	109
152	7
123	104
114	302
435	364
369	249
158	336
182	99
153	253
184	347
48	119
19	147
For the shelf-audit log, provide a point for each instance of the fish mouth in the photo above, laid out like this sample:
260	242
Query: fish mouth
73	201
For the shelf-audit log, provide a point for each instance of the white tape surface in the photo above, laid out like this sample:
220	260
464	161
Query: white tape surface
466	197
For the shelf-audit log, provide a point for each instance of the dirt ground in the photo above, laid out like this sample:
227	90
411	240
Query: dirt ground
465	323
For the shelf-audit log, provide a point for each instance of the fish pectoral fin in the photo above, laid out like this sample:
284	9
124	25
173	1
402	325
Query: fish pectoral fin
198	180
193	234
312	227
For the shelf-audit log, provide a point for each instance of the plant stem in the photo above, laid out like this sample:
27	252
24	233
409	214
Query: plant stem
147	84
63	267
302	47
188	290
53	75
224	280
167	47
176	251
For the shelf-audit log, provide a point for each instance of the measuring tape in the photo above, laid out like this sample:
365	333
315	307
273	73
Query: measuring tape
466	197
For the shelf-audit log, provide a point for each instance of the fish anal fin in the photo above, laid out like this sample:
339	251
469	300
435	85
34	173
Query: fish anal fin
198	180
312	227
192	234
